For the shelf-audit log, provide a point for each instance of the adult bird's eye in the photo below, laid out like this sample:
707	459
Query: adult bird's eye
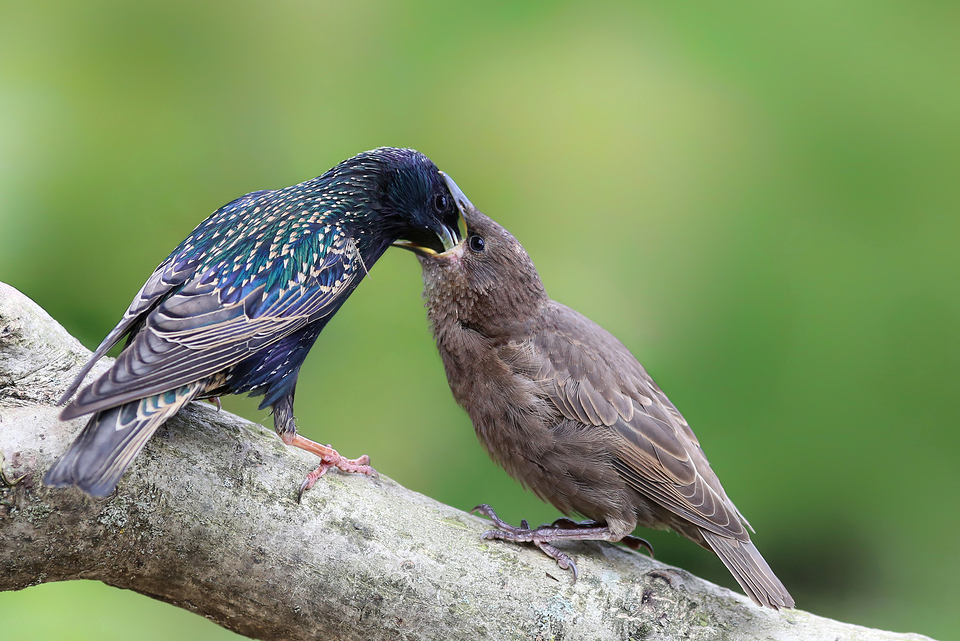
476	244
440	203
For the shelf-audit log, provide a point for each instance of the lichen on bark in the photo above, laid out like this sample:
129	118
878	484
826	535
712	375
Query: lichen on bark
207	519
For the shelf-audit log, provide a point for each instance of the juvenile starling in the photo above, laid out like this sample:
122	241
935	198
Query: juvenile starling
568	411
238	304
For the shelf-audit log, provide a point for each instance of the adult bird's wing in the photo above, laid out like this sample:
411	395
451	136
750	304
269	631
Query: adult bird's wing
164	279
204	328
172	273
592	378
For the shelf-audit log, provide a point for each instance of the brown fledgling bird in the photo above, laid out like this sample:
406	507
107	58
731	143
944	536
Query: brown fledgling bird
568	411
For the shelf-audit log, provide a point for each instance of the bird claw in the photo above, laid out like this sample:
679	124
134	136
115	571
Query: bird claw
329	457
635	543
524	534
502	526
563	529
491	535
562	559
359	465
311	480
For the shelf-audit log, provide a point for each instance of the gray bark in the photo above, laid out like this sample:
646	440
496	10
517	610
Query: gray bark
207	519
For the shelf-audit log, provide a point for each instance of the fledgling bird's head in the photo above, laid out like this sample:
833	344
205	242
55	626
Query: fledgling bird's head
407	193
487	282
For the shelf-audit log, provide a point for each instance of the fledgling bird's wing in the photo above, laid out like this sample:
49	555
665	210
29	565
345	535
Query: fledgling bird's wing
212	319
592	378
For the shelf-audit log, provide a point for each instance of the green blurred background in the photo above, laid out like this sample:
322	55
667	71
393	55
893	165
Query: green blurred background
759	199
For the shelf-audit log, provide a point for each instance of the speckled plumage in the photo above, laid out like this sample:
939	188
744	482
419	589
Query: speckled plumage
569	412
238	304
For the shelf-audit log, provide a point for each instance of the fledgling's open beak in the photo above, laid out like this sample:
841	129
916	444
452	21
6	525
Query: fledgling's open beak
447	236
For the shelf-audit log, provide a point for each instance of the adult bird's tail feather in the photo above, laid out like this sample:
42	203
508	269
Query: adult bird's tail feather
112	438
750	570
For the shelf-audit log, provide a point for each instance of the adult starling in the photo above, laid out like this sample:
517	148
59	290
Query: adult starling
238	304
568	411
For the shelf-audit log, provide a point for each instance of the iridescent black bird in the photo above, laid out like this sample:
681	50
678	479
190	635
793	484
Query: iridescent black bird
238	304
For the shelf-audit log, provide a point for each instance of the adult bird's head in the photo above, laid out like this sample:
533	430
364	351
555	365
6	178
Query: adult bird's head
487	282
413	205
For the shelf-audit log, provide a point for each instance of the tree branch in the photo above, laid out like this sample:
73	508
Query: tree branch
207	519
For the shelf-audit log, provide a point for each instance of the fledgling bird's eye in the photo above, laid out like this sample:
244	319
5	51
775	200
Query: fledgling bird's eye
440	203
476	244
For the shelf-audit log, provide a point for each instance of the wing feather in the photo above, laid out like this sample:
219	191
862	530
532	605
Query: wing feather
592	378
192	333
178	268
168	276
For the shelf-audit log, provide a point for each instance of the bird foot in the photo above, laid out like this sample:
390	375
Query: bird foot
350	466
562	529
525	534
329	458
632	542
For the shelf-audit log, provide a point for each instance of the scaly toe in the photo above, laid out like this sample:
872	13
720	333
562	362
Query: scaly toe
488	512
311	480
635	543
358	465
491	535
562	559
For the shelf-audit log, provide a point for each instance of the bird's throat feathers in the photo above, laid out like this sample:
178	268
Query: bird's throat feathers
493	291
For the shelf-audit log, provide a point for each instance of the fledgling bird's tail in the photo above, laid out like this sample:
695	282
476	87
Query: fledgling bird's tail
112	438
750	570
